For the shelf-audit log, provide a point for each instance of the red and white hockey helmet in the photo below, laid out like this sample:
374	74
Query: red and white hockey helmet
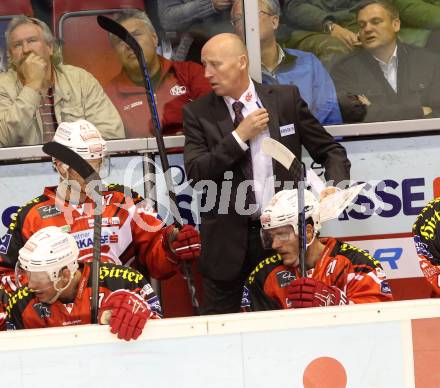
82	137
283	210
49	250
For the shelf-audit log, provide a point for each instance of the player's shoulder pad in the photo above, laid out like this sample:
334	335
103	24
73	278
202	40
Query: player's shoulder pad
127	191
115	277
430	214
18	300
362	261
263	269
24	210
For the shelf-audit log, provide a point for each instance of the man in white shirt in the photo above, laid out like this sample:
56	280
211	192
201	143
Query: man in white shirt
387	80
223	158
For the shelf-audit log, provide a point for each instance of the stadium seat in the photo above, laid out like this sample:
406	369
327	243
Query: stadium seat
15	7
85	44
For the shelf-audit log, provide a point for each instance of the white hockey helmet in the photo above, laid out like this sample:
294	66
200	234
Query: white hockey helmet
283	210
82	137
49	250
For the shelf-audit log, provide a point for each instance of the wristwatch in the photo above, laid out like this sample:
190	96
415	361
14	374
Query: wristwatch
328	26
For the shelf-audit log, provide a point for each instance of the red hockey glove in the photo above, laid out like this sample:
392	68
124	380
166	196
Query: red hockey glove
9	282
129	313
306	292
183	244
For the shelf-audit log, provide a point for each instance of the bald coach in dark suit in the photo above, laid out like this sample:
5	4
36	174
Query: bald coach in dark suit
223	134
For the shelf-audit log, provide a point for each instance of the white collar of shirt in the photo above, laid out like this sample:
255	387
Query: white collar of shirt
281	57
249	99
390	61
389	69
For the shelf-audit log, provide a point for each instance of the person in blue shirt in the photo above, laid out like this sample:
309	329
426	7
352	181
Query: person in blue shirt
291	67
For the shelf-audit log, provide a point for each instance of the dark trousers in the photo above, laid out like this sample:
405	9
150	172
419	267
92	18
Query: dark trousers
222	297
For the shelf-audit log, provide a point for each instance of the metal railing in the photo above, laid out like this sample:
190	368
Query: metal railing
148	145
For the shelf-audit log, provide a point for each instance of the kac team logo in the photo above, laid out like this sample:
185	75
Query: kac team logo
178	90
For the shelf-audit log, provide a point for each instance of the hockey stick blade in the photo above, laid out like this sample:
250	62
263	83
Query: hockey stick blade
115	28
71	158
278	151
286	158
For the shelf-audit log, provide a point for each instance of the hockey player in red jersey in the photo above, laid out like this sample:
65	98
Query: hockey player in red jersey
337	273
131	231
426	235
58	290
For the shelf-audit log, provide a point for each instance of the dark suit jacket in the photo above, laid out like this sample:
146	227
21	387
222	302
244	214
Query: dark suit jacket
211	150
418	84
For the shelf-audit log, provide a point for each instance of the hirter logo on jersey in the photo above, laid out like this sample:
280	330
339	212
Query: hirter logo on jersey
178	90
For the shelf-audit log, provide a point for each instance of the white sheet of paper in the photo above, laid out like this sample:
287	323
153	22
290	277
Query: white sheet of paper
333	205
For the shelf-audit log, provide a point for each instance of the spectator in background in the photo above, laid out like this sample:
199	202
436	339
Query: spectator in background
422	17
325	27
174	83
291	67
386	80
38	92
200	19
3	60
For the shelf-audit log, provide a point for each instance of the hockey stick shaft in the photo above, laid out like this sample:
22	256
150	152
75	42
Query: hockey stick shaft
115	28
296	168
302	236
88	173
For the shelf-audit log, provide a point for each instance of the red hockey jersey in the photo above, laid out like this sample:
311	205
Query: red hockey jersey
24	311
352	270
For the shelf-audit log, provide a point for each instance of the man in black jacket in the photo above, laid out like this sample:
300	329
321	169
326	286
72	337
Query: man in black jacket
223	135
386	80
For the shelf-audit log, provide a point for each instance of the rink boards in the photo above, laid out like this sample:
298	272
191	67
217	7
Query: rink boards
394	344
